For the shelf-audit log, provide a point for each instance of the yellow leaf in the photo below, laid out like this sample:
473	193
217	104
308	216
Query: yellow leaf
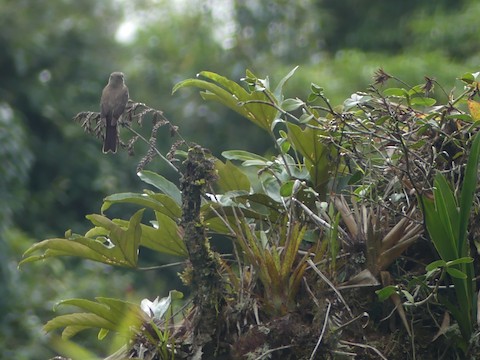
474	108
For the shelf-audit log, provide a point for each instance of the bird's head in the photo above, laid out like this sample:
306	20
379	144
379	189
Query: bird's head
116	78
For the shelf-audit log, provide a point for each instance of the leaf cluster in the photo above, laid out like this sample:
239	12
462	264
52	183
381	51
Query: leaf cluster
346	195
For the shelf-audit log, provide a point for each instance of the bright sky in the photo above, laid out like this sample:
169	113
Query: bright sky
222	11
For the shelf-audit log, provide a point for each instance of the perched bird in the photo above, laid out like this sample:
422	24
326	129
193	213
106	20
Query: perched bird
112	105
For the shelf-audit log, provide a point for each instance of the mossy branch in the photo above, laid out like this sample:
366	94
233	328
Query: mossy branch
205	278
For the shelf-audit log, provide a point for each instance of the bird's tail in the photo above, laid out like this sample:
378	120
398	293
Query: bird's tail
111	139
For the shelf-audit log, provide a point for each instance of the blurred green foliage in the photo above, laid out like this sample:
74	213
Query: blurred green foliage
57	55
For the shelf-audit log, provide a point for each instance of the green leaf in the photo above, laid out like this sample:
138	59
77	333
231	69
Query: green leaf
125	241
316	89
456	273
227	84
356	177
386	292
312	97
468	78
291	104
102	334
467	194
73	323
86	248
170	207
278	92
435	265
316	155
162	184
447	226
216	93
285	146
398	92
230	213
252	105
242	155
422	101
120	250
105	314
164	237
463	117
305	118
262	203
155	201
231	178
409	296
286	189
443	222
462	260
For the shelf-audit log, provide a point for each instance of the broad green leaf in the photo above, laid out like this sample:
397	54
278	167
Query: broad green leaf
316	155
422	101
447	226
252	105
230	178
409	296
242	155
278	92
229	85
259	202
399	92
467	193
126	241
305	118
170	207
286	189
468	78
466	290
155	201
78	322
435	265
82	247
284	145
120	250
162	184
105	314
417	90
70	349
316	89
463	117
215	92
356	177
134	198
291	104
90	306
456	273
164	237
437	230
312	97
386	292
463	317
102	334
448	216
271	186
291	246
230	214
118	305
462	260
